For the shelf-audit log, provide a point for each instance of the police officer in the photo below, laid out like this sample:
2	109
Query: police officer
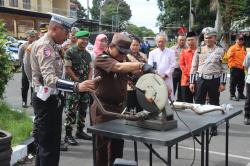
111	90
246	64
209	70
78	68
31	37
47	66
236	55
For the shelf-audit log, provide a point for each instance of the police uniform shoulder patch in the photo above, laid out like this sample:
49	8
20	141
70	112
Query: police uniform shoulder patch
47	52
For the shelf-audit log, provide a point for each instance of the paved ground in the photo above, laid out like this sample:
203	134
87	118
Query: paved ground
239	145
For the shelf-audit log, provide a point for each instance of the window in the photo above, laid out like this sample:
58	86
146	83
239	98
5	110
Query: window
14	3
26	4
1	2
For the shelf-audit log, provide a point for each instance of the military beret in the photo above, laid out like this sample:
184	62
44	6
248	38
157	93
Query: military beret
82	34
209	31
31	33
64	21
122	42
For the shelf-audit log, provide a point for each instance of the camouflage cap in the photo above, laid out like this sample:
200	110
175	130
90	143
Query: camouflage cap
31	33
209	31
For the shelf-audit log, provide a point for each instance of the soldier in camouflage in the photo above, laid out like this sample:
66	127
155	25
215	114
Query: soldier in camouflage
78	68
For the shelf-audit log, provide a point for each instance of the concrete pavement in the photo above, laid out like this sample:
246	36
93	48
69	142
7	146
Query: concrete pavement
239	144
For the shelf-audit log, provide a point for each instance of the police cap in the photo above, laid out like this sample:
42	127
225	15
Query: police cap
64	21
209	31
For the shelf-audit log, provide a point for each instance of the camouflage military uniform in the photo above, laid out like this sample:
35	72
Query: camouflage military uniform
77	104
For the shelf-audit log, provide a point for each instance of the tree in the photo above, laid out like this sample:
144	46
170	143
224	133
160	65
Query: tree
176	14
6	65
80	9
95	10
139	31
110	12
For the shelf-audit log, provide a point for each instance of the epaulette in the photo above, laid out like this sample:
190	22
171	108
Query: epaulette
104	56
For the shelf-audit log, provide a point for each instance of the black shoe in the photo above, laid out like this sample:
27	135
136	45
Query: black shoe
83	135
24	104
214	131
70	140
234	98
63	146
247	120
242	96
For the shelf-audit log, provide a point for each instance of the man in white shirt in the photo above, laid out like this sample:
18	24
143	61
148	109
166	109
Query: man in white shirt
163	60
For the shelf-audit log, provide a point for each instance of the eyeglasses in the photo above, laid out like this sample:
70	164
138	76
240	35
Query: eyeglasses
241	39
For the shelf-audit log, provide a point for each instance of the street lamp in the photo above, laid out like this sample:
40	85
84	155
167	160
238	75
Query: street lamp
117	19
100	16
190	16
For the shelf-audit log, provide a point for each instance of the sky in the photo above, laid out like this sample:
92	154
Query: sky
144	12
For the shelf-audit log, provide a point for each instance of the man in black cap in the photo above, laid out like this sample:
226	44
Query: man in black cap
46	64
186	57
111	90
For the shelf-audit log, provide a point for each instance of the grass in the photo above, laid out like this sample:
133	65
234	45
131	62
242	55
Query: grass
17	123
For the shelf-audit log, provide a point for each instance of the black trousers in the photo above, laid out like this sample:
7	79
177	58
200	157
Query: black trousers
247	102
210	87
25	87
237	79
187	95
132	102
177	83
48	130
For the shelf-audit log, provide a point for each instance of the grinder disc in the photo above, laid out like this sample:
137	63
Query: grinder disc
151	92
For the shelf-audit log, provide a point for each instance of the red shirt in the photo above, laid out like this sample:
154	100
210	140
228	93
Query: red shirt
185	61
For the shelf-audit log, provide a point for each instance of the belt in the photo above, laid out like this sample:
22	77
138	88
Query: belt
209	77
52	90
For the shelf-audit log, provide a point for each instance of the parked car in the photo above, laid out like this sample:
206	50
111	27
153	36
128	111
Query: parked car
12	46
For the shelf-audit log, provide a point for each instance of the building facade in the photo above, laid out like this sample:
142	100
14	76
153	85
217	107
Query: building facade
22	15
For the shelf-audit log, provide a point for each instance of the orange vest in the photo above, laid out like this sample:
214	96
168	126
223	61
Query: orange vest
186	57
236	55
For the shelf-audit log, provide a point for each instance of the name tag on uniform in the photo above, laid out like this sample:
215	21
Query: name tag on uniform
44	92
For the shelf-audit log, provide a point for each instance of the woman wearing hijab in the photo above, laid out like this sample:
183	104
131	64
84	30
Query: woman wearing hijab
101	45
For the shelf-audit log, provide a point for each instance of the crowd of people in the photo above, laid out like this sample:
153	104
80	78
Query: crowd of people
61	74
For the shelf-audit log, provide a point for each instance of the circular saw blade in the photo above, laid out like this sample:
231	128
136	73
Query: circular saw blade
151	92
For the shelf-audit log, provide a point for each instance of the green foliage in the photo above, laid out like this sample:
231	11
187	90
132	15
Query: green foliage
80	11
17	123
95	10
109	13
6	65
140	31
177	12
